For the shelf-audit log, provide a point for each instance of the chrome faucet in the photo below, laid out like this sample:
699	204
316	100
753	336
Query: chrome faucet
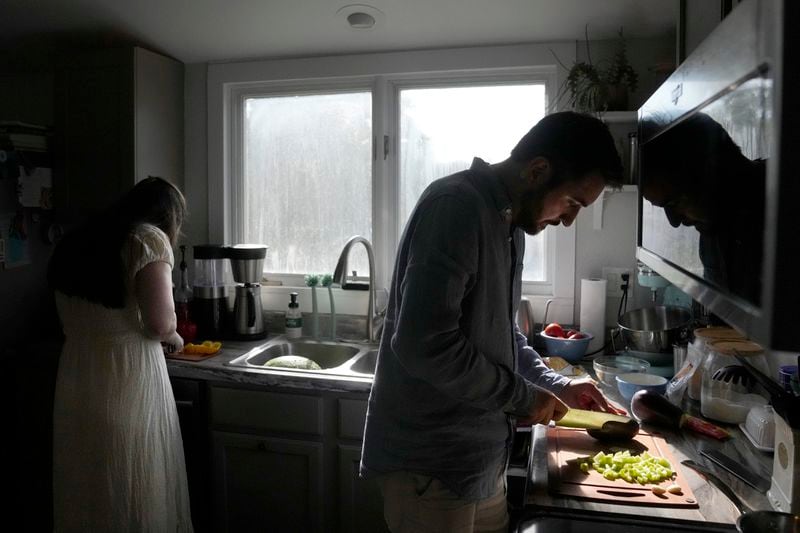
340	277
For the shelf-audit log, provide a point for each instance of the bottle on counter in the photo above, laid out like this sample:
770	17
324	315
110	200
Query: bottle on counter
186	328
294	318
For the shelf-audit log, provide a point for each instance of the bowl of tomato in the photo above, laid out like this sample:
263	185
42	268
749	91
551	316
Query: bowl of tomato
570	344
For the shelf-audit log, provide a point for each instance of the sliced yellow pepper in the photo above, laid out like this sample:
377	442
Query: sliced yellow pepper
206	348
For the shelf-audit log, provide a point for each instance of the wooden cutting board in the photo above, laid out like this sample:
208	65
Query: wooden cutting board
566	479
191	356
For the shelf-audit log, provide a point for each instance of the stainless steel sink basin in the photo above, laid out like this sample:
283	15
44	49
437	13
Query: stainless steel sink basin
365	364
337	358
326	355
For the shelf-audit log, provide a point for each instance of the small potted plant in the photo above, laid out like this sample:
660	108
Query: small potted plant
599	87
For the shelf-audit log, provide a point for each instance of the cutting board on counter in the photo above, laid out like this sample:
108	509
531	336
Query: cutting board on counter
566	479
191	356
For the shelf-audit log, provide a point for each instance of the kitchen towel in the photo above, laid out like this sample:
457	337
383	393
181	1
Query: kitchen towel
593	311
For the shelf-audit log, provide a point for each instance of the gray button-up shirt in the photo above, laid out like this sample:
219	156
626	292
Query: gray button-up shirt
452	366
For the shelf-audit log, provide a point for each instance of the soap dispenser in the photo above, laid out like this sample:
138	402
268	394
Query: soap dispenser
294	318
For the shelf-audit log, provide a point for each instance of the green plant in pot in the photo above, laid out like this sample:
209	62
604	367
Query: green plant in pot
599	87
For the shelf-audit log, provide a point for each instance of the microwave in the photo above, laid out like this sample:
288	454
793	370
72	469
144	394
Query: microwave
718	174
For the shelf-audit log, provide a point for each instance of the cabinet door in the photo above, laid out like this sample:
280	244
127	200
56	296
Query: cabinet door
266	484
360	500
95	131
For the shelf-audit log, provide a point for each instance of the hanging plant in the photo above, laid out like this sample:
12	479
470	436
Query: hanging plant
593	87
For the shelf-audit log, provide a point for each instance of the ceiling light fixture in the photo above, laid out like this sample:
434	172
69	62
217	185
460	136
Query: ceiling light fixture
361	16
360	20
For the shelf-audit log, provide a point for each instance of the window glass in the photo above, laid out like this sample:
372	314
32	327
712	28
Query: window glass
443	128
307	183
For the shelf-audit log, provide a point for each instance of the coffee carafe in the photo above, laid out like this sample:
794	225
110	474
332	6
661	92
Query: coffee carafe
247	264
209	307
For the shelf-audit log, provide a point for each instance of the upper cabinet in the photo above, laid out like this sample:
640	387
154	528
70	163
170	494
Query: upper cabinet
119	119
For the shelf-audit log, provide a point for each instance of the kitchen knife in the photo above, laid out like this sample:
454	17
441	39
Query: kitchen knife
738	469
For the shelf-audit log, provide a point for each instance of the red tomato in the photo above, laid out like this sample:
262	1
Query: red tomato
570	332
554	330
577	335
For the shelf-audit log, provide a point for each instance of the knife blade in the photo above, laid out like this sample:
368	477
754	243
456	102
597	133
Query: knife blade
738	469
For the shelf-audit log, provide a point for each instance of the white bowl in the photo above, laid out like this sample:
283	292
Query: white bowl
631	383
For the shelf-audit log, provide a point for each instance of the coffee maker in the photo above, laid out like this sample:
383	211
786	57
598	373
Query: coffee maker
209	307
247	263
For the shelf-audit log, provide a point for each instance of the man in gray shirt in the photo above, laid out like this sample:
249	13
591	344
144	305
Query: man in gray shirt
454	374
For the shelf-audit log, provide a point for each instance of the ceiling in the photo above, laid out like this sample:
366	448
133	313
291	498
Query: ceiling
195	31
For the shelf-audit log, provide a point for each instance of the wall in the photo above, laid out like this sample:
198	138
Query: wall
195	229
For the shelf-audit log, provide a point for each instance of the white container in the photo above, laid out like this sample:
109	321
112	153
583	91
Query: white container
760	427
723	398
697	351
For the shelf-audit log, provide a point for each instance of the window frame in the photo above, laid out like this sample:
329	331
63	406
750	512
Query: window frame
383	72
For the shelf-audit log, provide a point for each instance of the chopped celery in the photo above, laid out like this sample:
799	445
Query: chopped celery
643	468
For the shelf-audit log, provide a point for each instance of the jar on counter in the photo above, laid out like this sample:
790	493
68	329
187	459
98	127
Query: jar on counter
726	393
697	351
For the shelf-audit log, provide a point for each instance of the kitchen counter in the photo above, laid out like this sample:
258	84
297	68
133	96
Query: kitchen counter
215	369
714	506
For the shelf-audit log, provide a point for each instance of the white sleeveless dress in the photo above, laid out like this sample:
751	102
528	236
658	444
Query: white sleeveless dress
118	460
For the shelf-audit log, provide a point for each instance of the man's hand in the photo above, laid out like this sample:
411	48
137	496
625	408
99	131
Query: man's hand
545	407
584	394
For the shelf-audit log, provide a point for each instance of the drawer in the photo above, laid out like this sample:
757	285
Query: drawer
352	415
292	413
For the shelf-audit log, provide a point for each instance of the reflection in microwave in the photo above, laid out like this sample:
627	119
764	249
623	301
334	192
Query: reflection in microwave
703	182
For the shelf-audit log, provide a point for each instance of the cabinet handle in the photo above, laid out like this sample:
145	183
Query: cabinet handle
184	403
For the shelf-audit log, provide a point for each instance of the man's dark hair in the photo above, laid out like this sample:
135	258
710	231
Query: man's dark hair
575	144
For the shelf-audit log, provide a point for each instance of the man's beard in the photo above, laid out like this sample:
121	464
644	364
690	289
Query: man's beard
531	207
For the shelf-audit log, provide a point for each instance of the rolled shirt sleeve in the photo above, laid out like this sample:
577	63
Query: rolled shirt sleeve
532	367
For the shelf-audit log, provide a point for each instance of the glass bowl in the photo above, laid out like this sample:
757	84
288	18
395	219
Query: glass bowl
608	367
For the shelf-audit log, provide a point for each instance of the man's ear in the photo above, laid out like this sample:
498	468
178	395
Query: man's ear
537	170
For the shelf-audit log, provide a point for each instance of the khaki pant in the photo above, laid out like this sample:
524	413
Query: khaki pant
414	503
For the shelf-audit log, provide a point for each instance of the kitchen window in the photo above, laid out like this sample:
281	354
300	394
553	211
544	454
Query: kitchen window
308	163
306	177
443	128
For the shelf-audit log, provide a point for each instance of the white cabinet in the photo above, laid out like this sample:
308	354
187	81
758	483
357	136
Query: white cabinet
267	484
286	460
119	119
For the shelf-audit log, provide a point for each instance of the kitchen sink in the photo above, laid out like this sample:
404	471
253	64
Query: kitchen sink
326	355
365	364
337	358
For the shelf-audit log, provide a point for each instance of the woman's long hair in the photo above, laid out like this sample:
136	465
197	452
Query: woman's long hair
87	263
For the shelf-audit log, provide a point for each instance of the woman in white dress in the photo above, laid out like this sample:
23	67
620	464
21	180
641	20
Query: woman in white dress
118	460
